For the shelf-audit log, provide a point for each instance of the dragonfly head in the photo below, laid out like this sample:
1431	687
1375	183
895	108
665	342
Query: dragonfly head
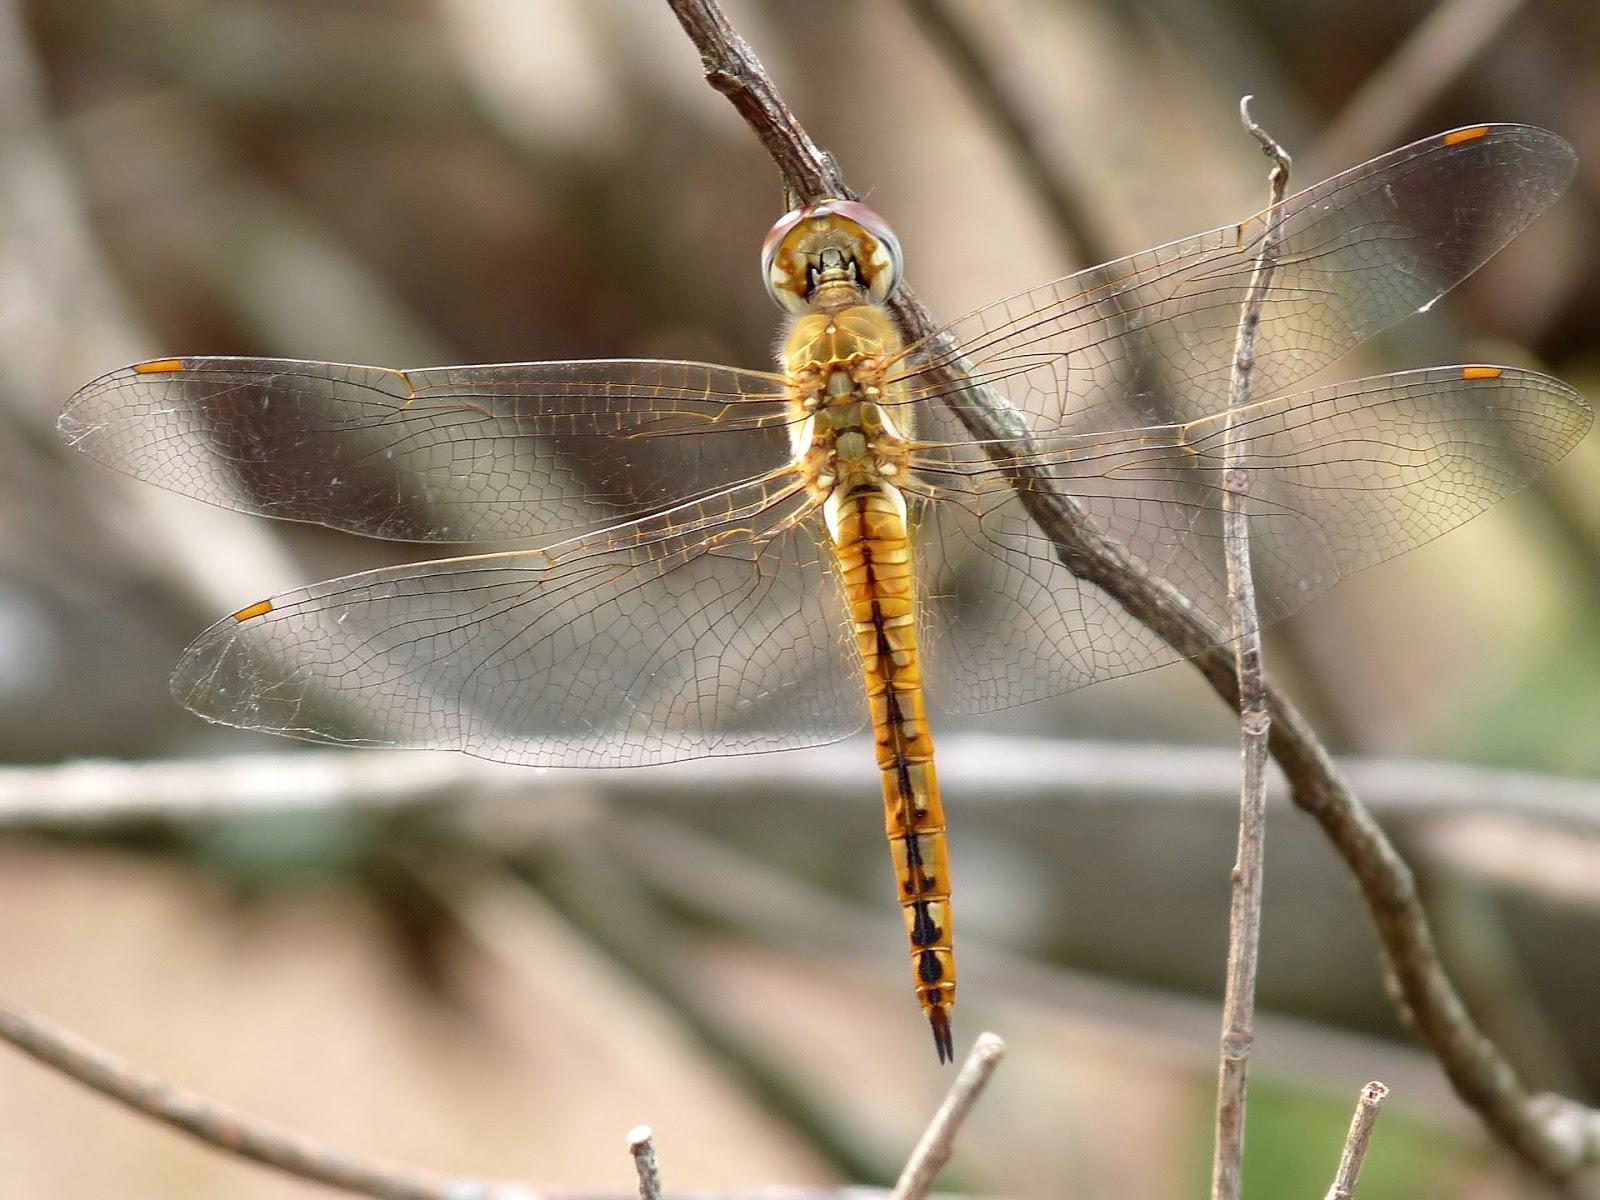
835	244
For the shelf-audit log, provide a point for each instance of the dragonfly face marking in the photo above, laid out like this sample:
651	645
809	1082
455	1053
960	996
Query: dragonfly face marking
729	558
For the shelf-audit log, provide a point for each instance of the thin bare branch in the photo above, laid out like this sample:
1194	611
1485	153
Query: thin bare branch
233	1132
732	68
1482	1076
81	794
242	1136
1244	917
642	1145
1368	1106
937	1143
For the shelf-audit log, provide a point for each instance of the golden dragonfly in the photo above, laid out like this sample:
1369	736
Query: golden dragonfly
725	560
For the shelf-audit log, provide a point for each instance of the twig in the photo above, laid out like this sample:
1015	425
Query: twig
1368	1105
642	1145
731	67
1244	917
1480	1073
232	1132
80	794
934	1148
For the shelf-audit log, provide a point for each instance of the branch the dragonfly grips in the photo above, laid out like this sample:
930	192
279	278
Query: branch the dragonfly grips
1477	1069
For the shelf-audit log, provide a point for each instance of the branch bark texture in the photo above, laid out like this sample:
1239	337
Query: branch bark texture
1244	915
1368	1106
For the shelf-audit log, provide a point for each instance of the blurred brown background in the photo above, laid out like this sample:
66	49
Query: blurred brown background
504	990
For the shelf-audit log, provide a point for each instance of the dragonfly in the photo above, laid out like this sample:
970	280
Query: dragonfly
708	560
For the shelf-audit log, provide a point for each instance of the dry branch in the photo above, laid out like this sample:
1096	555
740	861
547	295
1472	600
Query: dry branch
1368	1105
242	1136
232	1132
1244	915
642	1145
1480	1073
937	1143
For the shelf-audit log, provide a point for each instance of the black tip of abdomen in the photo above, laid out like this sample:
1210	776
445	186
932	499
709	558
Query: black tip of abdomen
943	1043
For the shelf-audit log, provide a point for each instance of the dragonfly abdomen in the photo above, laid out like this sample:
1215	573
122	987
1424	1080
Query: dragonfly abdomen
874	554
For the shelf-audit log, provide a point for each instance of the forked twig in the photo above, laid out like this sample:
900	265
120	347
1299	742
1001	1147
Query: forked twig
1477	1069
1368	1105
934	1148
232	1132
1244	916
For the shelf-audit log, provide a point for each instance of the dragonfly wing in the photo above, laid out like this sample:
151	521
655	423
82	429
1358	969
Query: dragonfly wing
711	629
1339	479
1149	338
451	454
1006	622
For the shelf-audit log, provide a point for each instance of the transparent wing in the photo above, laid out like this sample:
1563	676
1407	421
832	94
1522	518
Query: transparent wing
1338	479
710	629
1149	338
450	454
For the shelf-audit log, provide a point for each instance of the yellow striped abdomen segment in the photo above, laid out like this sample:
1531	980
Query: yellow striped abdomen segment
874	553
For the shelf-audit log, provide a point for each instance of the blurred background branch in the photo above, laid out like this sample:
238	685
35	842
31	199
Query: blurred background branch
992	770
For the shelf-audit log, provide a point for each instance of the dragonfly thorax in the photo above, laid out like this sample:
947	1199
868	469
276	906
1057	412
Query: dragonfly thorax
846	434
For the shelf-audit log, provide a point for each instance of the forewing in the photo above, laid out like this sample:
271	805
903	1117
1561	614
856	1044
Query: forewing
1338	479
448	454
1149	338
712	629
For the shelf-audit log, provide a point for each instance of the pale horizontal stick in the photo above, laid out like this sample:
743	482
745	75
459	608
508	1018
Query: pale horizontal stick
979	769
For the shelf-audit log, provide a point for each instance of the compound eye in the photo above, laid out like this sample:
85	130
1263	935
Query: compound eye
787	280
